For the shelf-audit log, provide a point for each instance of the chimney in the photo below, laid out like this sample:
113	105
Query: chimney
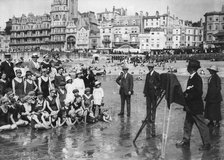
157	13
147	14
113	8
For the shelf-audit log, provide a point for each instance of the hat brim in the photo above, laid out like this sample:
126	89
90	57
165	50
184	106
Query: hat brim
212	70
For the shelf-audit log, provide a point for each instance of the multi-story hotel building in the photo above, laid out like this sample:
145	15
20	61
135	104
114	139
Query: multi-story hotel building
153	40
214	28
30	32
58	30
126	30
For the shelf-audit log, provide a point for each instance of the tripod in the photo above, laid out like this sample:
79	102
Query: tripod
147	118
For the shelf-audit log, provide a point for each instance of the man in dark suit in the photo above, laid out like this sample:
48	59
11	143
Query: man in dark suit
7	68
194	108
125	81
151	92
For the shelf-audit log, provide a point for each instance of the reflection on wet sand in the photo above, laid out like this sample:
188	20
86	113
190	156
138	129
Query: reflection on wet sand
106	141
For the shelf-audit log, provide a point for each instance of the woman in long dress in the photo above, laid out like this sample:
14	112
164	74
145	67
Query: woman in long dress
213	98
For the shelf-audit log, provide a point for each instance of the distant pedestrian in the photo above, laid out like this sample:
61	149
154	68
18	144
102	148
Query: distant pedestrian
213	97
125	81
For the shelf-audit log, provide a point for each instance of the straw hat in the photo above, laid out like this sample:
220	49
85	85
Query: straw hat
213	68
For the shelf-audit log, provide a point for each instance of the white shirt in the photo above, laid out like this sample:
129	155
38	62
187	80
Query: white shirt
98	95
79	84
192	75
151	72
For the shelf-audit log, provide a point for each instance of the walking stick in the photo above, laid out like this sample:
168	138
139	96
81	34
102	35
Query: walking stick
165	135
144	122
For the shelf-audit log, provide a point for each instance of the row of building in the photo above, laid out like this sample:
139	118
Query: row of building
66	29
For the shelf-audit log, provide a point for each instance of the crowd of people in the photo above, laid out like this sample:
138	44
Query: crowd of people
43	96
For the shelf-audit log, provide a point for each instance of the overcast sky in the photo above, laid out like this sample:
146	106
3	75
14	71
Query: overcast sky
184	9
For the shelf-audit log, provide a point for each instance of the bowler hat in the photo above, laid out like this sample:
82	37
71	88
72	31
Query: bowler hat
194	64
124	67
151	65
62	83
213	68
7	55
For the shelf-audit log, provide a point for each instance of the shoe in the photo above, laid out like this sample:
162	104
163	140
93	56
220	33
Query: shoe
120	114
183	143
205	147
128	115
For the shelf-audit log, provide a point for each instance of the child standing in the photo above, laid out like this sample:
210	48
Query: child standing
29	83
18	84
98	96
44	83
88	100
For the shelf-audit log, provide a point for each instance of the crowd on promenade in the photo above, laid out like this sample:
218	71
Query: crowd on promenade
43	96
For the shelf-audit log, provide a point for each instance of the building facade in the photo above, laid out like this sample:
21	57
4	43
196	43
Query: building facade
62	29
153	40
30	32
126	30
4	42
214	25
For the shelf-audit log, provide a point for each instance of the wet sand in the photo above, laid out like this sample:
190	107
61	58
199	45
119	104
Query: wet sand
106	141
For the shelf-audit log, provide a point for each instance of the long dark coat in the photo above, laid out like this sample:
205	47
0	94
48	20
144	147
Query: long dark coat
213	98
193	96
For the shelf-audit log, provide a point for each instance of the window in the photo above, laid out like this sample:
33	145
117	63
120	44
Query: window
209	27
147	40
157	45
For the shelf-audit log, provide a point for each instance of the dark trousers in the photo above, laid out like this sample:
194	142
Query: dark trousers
151	111
199	120
126	98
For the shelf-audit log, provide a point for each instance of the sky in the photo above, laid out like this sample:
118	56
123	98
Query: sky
184	9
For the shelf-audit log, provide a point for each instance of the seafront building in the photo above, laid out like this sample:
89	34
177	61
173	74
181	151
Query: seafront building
66	29
63	29
214	28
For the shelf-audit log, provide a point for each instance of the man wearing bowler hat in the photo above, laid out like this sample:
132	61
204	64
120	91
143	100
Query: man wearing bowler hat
7	68
125	81
194	108
151	92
